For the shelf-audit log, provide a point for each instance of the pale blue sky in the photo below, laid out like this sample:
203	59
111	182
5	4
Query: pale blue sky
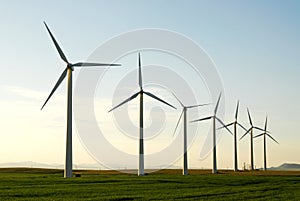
254	44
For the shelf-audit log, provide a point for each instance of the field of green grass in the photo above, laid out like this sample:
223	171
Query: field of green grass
42	184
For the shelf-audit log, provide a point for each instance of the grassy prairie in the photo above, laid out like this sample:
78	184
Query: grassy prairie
43	184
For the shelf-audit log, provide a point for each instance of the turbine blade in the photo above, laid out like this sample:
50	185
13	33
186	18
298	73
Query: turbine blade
272	138
226	125
193	106
249	117
61	78
202	119
155	97
62	55
177	99
125	101
230	124
85	64
241	126
140	72
259	135
221	122
217	105
258	128
178	122
237	110
246	133
266	122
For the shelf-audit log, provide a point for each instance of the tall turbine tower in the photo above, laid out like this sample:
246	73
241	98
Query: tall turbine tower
184	113
141	93
68	72
235	125
265	134
214	118
251	130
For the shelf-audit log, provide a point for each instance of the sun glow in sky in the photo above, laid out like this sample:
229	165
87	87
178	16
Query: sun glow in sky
254	44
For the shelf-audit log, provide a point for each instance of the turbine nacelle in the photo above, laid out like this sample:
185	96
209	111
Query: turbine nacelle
70	66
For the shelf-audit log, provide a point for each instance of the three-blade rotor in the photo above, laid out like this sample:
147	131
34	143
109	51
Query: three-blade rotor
69	65
184	107
251	126
214	116
140	83
266	132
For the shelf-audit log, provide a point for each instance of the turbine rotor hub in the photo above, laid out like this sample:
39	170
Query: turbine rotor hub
70	66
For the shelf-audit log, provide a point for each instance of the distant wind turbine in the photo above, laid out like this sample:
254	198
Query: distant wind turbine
251	129
214	118
141	93
184	113
235	124
68	72
265	142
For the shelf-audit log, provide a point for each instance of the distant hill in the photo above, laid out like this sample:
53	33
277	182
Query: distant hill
30	164
287	166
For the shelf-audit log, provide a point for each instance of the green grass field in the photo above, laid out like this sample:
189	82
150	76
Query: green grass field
41	184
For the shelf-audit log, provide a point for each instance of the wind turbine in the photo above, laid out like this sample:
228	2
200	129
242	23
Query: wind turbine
235	124
68	73
250	130
141	93
184	113
214	118
265	134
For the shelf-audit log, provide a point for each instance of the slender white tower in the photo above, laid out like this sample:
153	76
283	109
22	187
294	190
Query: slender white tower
68	73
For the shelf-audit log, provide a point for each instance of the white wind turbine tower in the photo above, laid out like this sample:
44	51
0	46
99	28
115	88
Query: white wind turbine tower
141	137
235	125
265	134
68	72
251	130
214	118
184	113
